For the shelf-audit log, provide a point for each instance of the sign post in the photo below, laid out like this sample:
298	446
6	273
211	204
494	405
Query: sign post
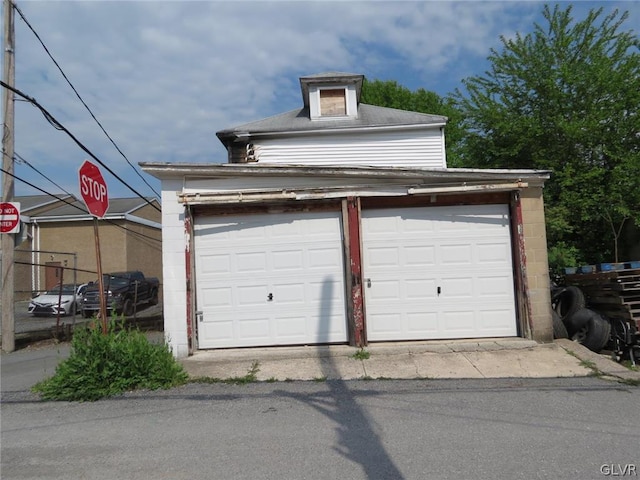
93	189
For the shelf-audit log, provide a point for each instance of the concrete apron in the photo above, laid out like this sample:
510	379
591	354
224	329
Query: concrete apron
489	358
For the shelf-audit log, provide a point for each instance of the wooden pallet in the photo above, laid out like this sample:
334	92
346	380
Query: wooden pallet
615	293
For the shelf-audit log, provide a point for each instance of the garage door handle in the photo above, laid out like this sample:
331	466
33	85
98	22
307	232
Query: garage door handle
368	283
199	315
270	297
439	290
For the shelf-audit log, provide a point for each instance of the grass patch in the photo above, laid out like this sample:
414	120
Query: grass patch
320	379
630	366
630	381
361	354
591	366
110	363
250	377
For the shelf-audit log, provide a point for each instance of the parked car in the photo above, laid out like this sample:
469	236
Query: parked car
125	291
65	301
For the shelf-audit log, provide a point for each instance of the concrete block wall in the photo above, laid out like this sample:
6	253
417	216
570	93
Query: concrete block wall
174	269
537	263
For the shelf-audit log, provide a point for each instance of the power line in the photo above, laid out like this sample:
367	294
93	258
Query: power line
22	160
52	120
83	210
80	98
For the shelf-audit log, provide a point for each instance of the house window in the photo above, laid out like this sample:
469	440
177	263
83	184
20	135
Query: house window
333	102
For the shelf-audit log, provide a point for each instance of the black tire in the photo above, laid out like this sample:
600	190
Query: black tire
154	297
569	301
595	333
559	330
577	321
127	307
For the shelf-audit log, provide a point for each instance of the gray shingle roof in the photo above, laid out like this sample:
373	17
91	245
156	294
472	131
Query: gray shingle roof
30	202
299	121
77	208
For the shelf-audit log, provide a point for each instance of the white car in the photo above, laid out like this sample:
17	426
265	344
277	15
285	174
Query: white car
55	301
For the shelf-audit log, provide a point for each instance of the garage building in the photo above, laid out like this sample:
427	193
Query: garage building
339	222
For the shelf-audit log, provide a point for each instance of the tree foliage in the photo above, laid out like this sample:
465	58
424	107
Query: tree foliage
565	98
392	95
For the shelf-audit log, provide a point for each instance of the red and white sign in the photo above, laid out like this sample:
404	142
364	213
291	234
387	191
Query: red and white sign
9	217
93	189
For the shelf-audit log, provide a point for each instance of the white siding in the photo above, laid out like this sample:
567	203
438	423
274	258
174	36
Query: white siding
423	149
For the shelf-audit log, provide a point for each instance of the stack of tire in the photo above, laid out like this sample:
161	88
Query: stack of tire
571	319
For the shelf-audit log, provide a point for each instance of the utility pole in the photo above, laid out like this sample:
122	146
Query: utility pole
8	239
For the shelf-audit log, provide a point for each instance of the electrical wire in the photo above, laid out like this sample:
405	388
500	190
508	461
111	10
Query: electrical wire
83	210
52	120
22	160
80	98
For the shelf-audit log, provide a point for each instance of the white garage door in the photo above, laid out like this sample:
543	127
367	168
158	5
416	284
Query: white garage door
438	272
270	279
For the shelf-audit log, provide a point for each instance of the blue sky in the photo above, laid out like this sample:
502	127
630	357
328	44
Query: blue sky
162	77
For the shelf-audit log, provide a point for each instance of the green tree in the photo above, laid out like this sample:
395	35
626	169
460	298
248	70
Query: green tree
392	95
565	98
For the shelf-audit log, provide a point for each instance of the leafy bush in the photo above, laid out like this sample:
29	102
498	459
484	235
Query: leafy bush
106	364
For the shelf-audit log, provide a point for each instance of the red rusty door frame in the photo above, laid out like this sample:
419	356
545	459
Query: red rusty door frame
523	301
357	335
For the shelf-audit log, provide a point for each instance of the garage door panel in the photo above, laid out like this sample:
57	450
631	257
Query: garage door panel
270	279
459	323
384	325
248	262
455	254
326	326
419	289
249	231
286	294
464	251
215	264
223	332
494	320
498	252
419	256
287	260
495	286
324	259
456	289
254	328
326	292
423	324
381	256
381	290
217	297
293	328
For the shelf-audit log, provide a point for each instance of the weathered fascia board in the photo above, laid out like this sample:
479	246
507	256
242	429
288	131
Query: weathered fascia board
222	170
339	192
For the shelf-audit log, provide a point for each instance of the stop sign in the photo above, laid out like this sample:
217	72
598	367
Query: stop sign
9	217
93	189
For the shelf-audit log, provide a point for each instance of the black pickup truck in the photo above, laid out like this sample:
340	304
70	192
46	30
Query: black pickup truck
124	291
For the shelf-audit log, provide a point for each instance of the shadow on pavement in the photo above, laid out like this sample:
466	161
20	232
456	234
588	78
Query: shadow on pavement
358	439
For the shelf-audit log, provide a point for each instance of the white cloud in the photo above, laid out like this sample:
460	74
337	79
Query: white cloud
163	77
